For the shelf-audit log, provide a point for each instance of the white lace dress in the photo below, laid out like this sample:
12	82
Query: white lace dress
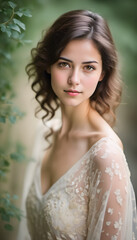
93	200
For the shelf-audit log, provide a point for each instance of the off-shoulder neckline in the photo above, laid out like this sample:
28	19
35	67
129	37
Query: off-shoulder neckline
73	166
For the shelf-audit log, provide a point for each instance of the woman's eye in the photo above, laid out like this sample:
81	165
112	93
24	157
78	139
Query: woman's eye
89	68
63	65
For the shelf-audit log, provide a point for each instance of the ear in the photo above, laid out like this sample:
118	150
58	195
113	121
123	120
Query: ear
102	76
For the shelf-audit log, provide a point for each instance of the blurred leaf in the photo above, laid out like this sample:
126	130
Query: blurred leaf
3	28
15	35
19	13
14	27
2	119
8	31
7	55
2	209
8	227
25	12
26	41
6	163
12	119
8	209
5	217
17	111
12	5
15	197
19	23
17	157
2	174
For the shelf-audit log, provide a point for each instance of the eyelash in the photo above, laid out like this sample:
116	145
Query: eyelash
88	68
63	64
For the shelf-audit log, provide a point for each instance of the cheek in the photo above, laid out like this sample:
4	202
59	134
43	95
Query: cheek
57	82
91	84
56	78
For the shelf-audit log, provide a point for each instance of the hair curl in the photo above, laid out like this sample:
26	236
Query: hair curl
76	24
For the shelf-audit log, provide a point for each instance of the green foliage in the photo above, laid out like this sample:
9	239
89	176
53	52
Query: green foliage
12	29
18	155
8	210
11	36
11	25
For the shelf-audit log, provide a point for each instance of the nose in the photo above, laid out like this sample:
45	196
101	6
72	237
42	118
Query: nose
74	78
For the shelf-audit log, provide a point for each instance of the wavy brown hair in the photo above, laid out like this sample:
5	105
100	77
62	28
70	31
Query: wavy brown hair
76	24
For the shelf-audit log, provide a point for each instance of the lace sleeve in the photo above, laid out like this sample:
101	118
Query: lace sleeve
112	201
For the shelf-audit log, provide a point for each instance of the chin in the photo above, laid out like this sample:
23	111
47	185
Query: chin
71	103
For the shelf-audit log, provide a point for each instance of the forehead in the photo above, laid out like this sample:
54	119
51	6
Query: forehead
81	49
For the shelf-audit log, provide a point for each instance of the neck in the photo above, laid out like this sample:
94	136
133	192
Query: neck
74	118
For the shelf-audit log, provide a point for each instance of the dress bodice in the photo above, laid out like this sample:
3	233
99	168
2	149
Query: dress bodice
94	199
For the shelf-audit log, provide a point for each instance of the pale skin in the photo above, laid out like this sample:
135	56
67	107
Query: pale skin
78	68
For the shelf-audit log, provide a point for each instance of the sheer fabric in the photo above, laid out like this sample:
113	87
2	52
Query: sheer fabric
93	200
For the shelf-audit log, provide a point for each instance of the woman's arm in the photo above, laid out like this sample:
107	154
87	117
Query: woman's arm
111	196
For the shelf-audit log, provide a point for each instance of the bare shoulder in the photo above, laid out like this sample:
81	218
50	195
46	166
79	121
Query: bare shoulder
103	129
109	132
104	134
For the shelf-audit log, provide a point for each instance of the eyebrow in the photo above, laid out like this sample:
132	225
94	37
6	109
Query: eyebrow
87	62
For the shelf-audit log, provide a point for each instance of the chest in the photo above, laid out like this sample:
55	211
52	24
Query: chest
61	158
63	210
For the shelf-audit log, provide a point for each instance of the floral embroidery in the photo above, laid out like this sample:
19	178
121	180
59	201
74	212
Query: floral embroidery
117	170
110	211
118	224
77	205
118	197
108	223
109	171
114	237
98	190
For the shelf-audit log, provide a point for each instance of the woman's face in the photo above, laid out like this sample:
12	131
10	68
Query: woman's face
74	77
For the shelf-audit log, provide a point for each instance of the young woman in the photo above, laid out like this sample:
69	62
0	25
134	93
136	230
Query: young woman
81	188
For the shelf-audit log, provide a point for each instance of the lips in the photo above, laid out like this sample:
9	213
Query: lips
72	91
